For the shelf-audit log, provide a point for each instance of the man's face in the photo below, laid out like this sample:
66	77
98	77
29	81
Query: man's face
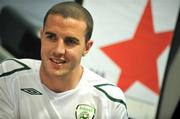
62	45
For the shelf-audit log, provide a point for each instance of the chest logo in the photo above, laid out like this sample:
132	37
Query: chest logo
84	111
31	91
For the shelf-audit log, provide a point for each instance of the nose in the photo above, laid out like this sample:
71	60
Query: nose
60	47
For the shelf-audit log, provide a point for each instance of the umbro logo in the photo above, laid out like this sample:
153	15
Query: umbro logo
31	91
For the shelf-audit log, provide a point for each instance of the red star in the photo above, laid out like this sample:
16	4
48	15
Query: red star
137	57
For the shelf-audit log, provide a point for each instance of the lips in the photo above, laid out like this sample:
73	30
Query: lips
58	61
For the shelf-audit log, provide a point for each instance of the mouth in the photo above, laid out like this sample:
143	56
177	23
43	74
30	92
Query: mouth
58	60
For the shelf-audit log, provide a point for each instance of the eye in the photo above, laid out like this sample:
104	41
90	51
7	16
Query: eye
50	36
71	41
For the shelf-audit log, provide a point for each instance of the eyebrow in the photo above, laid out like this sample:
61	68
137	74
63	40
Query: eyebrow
74	38
49	33
71	37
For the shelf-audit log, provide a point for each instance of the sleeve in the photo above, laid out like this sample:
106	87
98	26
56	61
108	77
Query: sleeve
117	102
120	112
6	104
120	107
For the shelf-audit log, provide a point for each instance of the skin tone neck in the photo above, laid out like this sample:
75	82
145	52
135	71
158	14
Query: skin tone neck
64	83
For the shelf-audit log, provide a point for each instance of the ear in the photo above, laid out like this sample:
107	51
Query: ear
41	33
88	47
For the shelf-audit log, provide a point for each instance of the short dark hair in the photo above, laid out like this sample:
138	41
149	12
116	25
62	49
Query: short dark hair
73	10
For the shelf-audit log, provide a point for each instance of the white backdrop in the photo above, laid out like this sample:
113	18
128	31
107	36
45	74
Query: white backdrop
116	21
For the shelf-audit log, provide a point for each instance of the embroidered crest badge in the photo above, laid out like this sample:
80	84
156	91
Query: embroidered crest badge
84	111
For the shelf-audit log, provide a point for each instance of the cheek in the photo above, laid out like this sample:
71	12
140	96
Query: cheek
45	48
76	54
79	53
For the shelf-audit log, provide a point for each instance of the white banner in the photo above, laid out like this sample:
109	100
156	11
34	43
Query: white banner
131	46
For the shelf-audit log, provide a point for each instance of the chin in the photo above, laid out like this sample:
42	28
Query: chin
59	73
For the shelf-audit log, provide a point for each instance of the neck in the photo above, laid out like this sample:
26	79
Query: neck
62	83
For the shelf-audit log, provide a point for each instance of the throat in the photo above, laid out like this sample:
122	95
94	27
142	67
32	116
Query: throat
62	84
59	85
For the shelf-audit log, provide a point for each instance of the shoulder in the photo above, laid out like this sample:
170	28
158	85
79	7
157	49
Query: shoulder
105	88
11	66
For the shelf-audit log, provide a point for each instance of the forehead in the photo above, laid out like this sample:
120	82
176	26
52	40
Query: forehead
68	21
65	26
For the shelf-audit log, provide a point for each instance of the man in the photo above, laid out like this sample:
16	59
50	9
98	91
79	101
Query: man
58	87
